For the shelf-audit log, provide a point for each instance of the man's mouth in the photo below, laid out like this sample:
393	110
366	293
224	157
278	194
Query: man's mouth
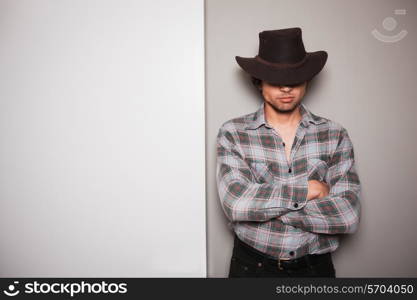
286	99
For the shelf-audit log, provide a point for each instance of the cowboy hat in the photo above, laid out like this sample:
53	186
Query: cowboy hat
282	59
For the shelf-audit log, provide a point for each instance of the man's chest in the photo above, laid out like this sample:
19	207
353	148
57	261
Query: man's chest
286	155
287	136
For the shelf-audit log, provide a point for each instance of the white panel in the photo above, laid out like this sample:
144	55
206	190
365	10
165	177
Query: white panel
102	138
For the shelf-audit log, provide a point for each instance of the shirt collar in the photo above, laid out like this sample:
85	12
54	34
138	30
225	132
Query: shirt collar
307	118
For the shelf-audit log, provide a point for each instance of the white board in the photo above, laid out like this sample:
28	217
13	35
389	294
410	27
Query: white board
102	138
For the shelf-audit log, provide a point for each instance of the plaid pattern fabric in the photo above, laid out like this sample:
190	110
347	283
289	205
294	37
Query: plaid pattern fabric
265	197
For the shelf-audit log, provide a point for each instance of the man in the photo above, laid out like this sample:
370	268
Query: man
285	176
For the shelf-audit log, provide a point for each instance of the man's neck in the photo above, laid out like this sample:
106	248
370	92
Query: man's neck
282	119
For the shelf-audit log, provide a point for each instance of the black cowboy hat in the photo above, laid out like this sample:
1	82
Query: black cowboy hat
282	59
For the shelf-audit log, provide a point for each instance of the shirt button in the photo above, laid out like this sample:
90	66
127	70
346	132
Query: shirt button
259	264
296	205
291	253
289	170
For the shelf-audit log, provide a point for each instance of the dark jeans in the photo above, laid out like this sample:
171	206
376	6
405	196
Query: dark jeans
249	262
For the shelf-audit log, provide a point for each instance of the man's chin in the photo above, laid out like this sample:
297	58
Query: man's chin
285	108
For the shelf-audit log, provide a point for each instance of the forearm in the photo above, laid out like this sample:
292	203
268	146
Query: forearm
333	214
249	201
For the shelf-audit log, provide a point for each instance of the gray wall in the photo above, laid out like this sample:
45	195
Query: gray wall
367	85
101	139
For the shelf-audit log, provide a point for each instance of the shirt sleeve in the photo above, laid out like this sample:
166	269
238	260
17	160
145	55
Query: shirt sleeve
339	212
241	196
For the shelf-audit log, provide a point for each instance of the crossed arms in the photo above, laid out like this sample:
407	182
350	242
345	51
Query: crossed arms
329	208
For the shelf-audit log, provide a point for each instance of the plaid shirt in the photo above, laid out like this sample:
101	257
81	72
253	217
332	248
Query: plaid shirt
265	197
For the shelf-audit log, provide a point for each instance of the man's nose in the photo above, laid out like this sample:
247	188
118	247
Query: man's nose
285	88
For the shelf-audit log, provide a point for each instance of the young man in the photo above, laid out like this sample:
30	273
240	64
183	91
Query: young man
285	176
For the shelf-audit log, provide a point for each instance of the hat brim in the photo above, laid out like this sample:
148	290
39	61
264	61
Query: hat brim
286	74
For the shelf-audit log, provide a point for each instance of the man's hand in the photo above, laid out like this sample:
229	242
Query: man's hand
317	189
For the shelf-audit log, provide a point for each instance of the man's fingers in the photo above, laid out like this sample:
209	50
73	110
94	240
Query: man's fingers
317	189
